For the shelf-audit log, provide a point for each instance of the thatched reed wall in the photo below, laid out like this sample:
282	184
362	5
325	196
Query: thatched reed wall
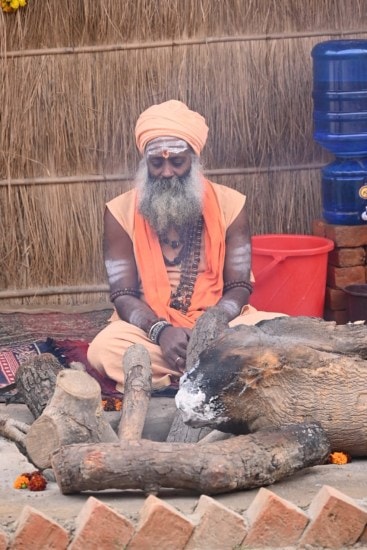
74	76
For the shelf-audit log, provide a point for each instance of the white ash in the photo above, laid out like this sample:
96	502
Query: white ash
191	401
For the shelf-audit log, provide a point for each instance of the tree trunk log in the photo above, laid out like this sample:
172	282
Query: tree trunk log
138	387
36	381
73	415
242	462
242	386
207	329
350	339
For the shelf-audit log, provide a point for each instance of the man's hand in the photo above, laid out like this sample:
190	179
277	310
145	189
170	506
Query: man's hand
173	343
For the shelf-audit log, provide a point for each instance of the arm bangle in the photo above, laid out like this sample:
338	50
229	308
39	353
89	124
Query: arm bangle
124	292
237	284
156	329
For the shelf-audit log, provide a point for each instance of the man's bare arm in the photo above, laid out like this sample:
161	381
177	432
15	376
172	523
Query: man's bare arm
237	266
123	274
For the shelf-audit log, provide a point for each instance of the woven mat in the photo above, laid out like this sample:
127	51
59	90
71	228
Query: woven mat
18	328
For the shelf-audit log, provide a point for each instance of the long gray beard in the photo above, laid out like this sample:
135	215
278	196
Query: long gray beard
167	202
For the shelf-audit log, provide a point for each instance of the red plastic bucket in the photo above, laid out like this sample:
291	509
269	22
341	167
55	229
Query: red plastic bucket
290	273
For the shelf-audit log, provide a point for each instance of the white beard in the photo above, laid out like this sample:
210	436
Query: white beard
170	202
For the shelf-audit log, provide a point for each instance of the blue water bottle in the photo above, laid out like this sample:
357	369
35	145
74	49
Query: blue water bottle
340	126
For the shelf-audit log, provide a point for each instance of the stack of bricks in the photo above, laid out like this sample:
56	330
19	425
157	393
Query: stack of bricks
347	265
332	520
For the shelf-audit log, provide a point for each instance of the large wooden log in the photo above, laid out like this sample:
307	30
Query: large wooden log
242	462
73	415
36	381
349	339
207	329
238	386
138	387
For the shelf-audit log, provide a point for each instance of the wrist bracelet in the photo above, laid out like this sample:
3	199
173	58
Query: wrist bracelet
156	329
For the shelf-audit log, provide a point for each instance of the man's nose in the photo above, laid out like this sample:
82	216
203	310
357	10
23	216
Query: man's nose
167	170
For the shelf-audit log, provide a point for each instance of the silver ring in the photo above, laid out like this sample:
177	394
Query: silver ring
178	357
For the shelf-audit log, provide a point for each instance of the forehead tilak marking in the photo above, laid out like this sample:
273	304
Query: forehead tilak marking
166	146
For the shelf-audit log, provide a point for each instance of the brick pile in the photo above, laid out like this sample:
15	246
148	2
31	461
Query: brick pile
332	520
347	264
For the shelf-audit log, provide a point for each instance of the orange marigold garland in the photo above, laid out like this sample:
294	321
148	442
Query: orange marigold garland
34	481
112	404
338	457
10	6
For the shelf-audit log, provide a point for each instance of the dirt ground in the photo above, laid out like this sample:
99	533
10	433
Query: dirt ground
351	479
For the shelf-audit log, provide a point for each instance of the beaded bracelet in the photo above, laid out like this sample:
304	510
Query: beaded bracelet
156	329
237	284
124	292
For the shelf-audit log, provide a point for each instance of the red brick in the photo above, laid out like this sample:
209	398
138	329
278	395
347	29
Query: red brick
219	528
161	527
335	299
347	235
340	277
273	521
3	540
339	316
319	228
347	257
363	537
98	526
336	520
36	531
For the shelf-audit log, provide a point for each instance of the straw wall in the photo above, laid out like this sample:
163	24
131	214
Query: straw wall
74	77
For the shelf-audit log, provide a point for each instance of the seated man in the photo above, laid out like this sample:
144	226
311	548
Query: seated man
173	246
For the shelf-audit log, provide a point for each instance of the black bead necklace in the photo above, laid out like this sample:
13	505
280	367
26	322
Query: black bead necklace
181	297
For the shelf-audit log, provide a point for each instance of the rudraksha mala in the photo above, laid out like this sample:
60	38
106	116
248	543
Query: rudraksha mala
181	297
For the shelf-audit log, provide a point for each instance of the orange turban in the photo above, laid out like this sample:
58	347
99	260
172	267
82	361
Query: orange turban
171	118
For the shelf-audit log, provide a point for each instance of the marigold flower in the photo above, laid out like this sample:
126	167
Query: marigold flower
37	482
10	6
112	404
34	481
21	482
338	457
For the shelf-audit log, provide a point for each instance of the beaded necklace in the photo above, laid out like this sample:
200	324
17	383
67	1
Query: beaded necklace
181	297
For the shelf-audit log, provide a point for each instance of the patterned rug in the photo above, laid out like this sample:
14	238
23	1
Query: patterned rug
23	335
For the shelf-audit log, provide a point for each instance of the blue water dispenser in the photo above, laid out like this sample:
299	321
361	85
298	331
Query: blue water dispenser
340	126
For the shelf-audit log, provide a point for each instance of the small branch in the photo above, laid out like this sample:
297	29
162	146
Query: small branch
13	429
138	387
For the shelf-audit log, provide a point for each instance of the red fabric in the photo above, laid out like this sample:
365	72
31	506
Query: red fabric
69	351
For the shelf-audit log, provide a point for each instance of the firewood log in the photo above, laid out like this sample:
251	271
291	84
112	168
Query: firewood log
36	380
207	329
242	462
73	415
244	382
349	339
138	387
